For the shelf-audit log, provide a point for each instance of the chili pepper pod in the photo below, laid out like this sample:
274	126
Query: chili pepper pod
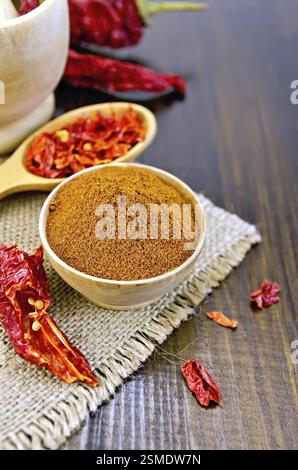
24	300
117	23
89	70
200	382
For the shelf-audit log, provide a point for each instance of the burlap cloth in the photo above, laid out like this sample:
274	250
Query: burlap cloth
39	411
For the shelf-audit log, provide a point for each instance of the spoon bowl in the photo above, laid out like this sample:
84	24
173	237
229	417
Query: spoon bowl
14	177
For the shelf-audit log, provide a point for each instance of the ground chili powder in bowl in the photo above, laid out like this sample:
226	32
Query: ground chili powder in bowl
104	233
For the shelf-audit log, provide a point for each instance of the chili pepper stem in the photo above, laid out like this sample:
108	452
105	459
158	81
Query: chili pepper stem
147	8
159	7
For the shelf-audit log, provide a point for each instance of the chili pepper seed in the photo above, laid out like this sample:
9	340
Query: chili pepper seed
32	315
31	301
39	304
36	326
87	147
52	207
63	135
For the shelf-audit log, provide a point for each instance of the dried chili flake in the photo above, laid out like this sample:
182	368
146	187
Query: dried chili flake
267	295
24	301
221	319
200	382
86	142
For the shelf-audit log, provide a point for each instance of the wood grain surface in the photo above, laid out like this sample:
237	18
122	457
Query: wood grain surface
234	138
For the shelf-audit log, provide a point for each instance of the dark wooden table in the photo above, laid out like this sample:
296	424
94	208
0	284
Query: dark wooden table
235	138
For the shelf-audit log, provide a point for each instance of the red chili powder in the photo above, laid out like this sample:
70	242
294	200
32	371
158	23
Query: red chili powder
74	216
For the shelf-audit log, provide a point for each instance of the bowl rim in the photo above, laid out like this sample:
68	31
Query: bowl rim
22	18
151	280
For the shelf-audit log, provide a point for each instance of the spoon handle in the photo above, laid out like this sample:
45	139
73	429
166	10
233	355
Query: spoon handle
15	178
12	177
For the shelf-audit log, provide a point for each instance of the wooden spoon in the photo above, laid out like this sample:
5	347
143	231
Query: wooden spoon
14	177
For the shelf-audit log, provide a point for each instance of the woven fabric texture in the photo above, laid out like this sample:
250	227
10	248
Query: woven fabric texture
38	411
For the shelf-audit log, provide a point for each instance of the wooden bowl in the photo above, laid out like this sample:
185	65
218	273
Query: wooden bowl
124	295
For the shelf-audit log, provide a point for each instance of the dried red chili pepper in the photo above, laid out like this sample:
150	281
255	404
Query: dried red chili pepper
200	382
24	300
84	143
221	319
28	5
116	23
89	70
266	295
112	23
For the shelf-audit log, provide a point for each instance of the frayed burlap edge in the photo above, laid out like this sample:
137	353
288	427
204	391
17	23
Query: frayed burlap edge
57	424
